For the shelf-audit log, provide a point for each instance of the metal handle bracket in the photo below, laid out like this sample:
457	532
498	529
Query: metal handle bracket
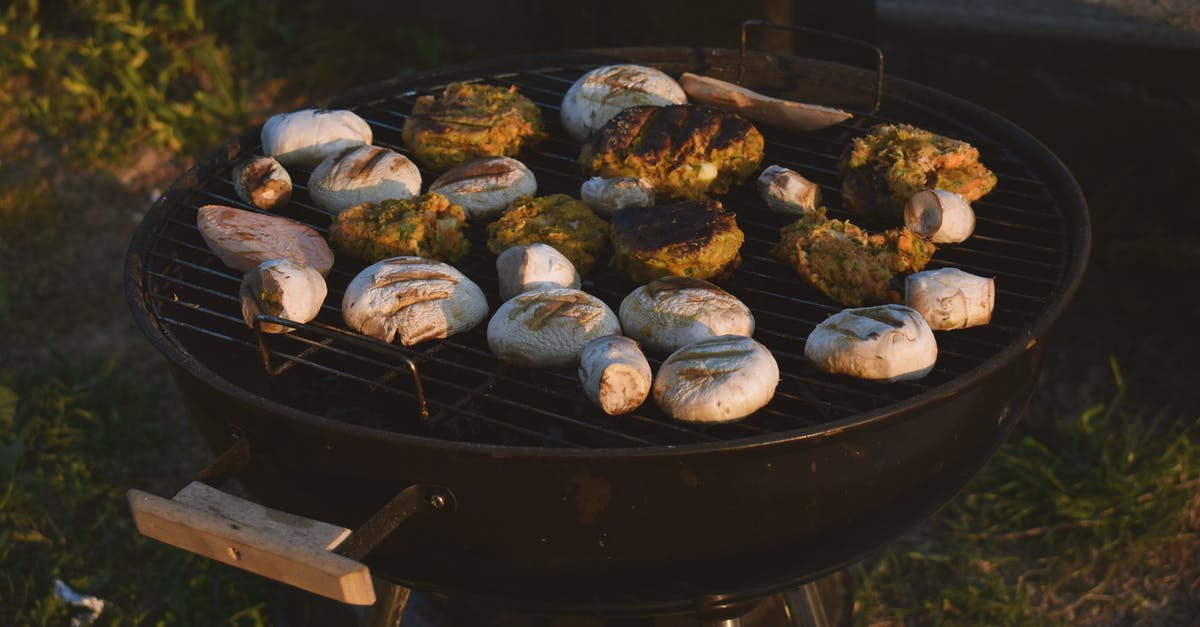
820	33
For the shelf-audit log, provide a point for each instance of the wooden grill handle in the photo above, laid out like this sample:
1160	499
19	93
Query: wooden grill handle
278	545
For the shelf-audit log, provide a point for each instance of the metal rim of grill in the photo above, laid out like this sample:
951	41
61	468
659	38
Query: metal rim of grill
1032	235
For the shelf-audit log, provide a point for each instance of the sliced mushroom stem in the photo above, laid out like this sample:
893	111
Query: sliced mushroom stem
950	298
940	216
614	374
786	191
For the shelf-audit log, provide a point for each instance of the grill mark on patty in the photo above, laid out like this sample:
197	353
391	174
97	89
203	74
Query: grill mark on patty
733	129
672	133
697	131
628	131
687	224
661	136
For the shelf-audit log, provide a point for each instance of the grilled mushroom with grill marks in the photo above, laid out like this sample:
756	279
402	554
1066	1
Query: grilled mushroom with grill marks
263	183
307	137
603	92
549	328
418	299
940	216
243	239
614	374
719	379
885	343
607	196
363	174
484	187
536	266
672	312
950	298
786	191
282	288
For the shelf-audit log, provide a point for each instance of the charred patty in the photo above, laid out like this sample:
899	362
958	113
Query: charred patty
685	151
426	226
691	238
558	220
471	120
845	262
882	170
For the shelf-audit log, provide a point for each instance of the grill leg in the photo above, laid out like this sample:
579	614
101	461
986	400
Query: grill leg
824	602
390	601
815	616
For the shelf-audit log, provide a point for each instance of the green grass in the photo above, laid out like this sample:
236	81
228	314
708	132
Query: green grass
1075	517
71	443
104	75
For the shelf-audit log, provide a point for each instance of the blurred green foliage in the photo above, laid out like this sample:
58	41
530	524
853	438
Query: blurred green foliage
101	77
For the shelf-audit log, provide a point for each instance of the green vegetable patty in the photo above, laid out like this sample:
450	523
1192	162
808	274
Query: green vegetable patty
558	220
428	226
469	121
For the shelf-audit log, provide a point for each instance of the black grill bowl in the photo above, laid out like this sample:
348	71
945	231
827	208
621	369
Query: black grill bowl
559	508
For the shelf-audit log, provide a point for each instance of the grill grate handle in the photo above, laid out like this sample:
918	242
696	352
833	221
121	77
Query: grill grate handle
309	554
741	71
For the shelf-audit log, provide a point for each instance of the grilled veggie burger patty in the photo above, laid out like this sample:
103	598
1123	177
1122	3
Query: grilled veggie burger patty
471	120
685	151
845	262
426	226
690	238
558	220
881	171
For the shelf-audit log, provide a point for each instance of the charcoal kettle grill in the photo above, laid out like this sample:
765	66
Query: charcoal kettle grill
467	477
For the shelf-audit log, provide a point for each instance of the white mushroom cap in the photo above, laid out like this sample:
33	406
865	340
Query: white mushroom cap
886	343
615	374
549	328
307	137
531	267
243	239
282	288
786	191
263	183
363	174
606	196
418	299
672	312
484	187
950	298
719	379
603	92
938	215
